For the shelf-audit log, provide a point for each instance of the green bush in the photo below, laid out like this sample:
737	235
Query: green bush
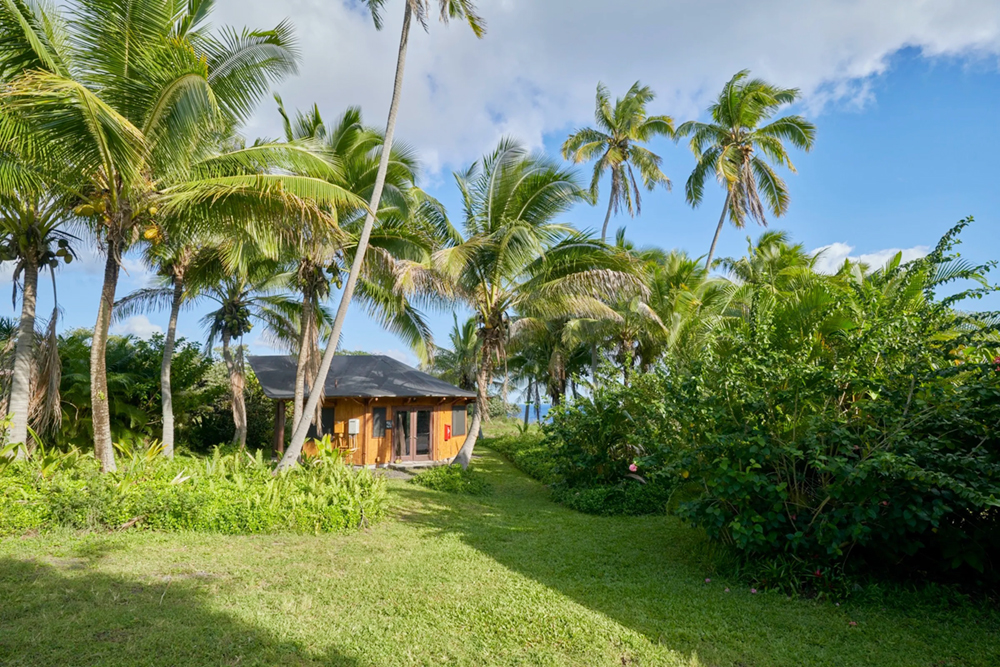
541	458
530	453
232	494
453	479
628	498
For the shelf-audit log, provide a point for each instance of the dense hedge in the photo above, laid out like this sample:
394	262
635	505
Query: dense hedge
231	494
830	426
550	461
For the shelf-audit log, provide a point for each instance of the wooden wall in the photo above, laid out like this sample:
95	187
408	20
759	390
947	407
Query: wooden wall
378	451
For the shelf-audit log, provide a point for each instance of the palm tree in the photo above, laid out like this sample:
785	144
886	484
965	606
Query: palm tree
616	145
737	147
458	364
32	236
140	101
450	9
670	316
172	257
515	259
322	256
241	299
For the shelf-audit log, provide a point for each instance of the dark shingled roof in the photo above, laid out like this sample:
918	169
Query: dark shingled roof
355	376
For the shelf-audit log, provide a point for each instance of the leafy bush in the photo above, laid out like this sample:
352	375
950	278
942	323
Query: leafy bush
854	421
134	389
540	458
453	479
628	498
232	494
530	453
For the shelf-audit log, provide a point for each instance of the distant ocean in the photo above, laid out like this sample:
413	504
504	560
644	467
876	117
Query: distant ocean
544	410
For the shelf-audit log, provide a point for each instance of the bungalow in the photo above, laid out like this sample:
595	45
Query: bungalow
377	409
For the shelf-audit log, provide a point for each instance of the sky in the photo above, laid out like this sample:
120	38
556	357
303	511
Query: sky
905	95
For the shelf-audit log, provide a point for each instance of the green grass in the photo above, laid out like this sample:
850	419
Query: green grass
506	579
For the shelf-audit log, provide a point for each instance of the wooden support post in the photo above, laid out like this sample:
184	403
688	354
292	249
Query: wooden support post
279	428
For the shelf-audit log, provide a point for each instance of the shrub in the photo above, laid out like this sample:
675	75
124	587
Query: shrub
849	423
232	494
540	458
530	453
453	479
628	498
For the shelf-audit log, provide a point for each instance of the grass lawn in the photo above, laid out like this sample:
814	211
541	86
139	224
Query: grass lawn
509	579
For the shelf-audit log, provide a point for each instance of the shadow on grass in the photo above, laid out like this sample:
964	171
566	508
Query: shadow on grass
649	574
624	567
62	614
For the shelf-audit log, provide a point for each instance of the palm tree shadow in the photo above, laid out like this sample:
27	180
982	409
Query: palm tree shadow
622	567
63	615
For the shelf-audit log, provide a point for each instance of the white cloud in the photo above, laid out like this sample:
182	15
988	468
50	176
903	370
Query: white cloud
536	70
138	326
834	255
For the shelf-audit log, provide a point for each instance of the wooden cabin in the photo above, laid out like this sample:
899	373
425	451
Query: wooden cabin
377	409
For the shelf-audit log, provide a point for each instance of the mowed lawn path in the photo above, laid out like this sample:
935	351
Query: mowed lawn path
510	579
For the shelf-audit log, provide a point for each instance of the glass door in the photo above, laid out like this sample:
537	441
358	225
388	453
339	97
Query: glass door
401	437
422	434
412	439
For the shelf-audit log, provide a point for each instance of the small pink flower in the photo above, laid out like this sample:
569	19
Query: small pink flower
633	467
726	591
753	590
707	580
853	624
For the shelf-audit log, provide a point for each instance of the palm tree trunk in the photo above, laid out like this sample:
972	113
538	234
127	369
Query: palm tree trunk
718	230
20	391
166	397
236	383
464	456
101	412
302	427
527	404
300	368
538	405
607	218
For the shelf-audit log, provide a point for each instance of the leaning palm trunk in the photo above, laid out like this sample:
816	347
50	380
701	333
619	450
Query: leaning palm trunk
101	413
302	427
166	396
303	357
718	230
20	391
234	367
464	456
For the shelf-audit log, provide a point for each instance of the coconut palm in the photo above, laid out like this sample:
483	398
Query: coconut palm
737	146
458	363
241	299
615	144
449	9
171	257
516	259
32	236
140	100
321	257
670	317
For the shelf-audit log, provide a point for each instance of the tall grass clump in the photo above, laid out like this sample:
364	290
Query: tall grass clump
231	493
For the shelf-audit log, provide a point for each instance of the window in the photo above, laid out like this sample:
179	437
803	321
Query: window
327	421
458	413
378	422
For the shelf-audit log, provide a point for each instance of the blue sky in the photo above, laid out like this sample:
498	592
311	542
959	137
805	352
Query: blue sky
904	150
